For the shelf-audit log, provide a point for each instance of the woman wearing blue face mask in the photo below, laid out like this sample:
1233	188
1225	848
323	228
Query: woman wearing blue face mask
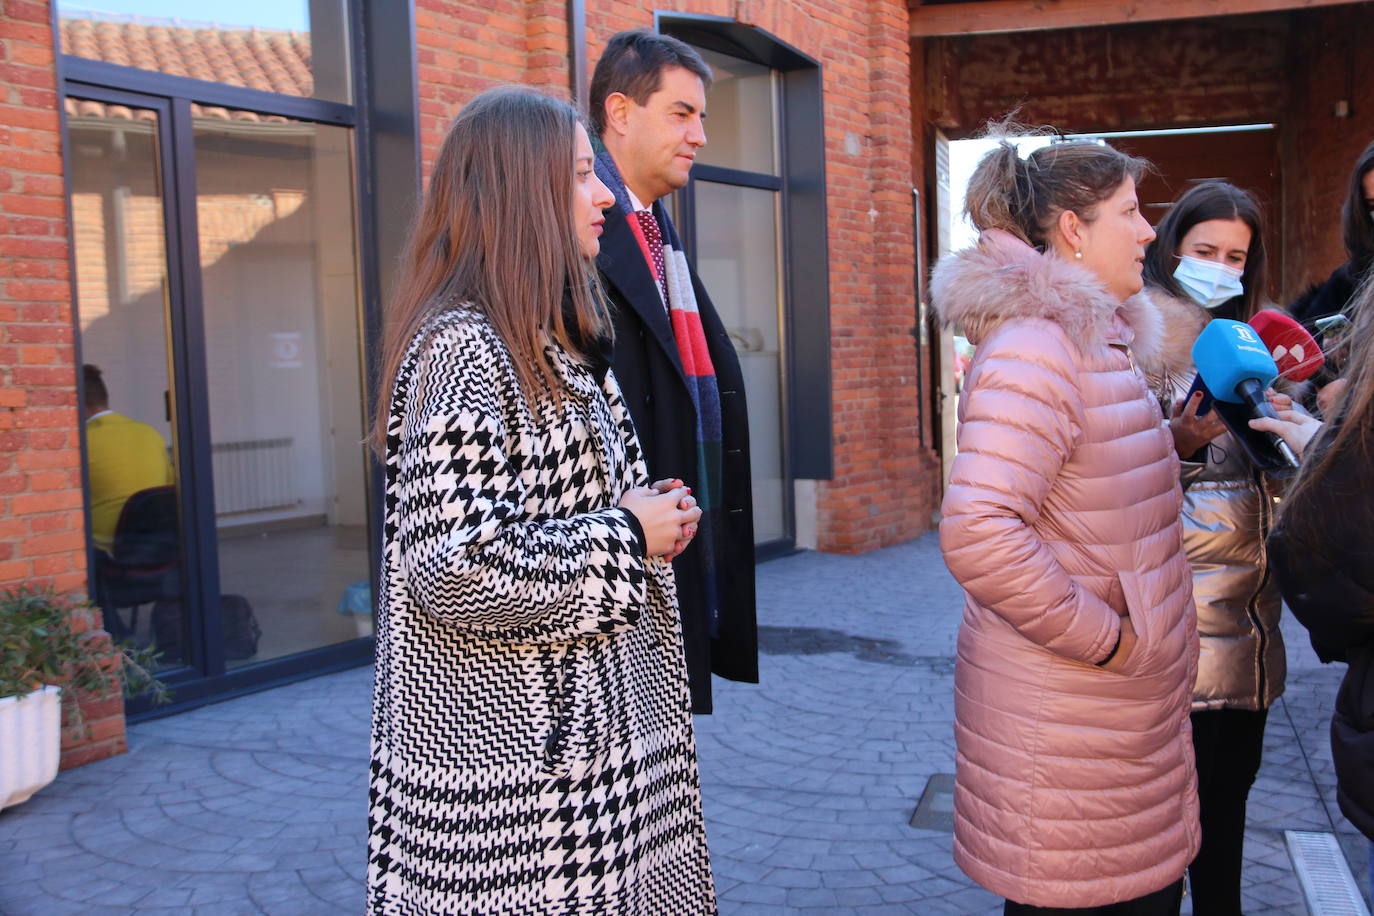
1207	262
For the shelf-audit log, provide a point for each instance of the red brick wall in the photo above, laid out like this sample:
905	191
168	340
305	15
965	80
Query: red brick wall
1168	74
922	170
885	485
546	45
41	535
42	541
1330	60
100	733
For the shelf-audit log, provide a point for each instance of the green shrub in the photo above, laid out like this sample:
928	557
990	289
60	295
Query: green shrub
39	646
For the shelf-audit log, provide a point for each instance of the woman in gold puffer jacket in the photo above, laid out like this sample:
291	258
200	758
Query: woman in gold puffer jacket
1206	262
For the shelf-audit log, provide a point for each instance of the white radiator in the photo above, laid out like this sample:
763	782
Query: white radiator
253	475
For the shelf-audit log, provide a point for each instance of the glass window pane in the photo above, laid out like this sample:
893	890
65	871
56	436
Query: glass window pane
121	281
741	122
738	262
275	212
297	47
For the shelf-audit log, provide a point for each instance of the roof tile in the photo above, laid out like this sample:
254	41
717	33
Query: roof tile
270	60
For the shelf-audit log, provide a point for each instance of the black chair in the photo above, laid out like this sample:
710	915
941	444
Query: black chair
144	562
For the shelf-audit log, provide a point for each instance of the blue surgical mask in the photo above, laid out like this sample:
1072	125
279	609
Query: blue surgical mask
1208	283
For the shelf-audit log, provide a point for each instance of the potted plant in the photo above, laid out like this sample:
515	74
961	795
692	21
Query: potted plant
41	652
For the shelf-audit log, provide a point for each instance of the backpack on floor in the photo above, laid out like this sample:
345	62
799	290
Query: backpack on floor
241	629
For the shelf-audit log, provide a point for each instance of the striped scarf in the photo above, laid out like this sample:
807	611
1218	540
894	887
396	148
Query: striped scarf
662	250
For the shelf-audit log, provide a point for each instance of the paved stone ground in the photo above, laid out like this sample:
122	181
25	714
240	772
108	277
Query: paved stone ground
257	805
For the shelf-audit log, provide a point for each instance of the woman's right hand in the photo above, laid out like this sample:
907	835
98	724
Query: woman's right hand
1295	427
660	516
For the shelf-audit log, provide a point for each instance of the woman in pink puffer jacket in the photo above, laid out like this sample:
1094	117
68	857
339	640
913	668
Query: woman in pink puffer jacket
1075	784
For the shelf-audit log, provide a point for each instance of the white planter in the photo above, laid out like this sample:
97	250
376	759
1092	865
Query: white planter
30	743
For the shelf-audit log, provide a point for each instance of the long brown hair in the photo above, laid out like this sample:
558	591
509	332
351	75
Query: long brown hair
1357	228
1349	437
496	233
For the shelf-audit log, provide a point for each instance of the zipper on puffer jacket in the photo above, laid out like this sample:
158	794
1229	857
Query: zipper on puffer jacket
1130	357
1266	520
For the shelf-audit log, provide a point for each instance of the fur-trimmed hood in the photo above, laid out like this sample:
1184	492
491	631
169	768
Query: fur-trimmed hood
1181	321
1002	279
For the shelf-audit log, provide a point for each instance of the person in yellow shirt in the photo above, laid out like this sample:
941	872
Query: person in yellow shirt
123	456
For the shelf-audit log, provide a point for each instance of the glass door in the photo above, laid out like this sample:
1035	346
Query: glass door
738	260
127	296
283	365
220	316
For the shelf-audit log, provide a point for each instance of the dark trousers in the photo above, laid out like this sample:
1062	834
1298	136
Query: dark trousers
1228	744
1165	902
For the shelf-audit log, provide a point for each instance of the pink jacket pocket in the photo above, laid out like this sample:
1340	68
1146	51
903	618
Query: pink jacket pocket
1145	622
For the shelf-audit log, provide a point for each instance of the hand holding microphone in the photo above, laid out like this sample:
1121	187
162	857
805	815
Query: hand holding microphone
1328	394
1297	357
1192	426
1236	366
1295	427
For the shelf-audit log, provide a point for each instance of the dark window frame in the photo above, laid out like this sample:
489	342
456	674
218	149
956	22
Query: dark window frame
721	175
386	187
151	82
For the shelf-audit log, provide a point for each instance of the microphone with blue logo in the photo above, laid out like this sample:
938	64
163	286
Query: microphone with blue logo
1236	367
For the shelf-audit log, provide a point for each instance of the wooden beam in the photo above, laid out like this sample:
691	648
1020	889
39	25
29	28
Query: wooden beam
985	16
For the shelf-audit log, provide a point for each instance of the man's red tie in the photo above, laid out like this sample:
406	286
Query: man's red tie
653	239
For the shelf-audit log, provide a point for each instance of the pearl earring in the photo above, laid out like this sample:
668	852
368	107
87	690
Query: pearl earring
1078	255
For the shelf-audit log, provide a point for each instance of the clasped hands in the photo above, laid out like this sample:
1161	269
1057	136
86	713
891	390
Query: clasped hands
668	514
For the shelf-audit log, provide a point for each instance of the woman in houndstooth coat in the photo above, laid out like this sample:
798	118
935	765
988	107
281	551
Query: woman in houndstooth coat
532	747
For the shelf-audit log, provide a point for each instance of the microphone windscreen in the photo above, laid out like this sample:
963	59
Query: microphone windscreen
1228	353
1296	353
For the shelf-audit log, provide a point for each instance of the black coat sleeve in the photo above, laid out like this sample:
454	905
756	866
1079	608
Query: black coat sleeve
1323	554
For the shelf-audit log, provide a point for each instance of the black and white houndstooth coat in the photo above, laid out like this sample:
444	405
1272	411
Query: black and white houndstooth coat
532	748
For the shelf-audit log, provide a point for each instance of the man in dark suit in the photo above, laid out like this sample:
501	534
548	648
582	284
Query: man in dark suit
672	357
